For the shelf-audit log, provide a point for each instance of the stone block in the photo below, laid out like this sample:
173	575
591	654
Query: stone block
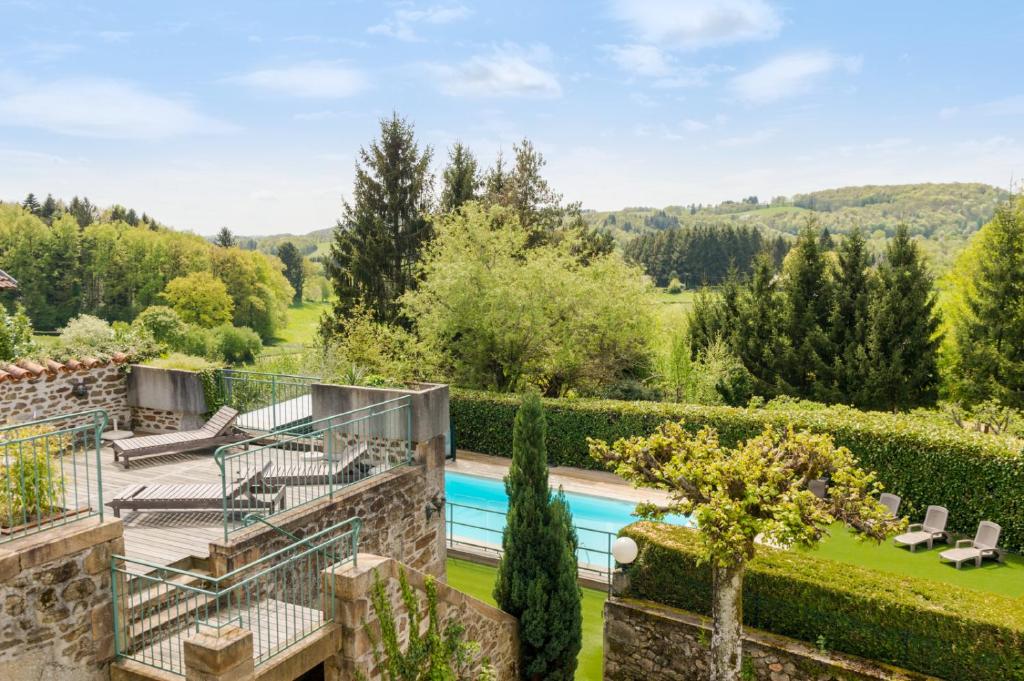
221	656
66	540
10	565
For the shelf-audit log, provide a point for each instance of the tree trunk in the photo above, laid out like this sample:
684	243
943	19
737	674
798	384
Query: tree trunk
727	623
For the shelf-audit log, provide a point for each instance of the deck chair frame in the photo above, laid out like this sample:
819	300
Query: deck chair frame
219	430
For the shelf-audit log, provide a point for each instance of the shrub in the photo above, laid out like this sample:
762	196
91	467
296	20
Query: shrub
977	477
15	334
237	344
162	322
31	484
88	336
923	626
200	298
177	360
675	287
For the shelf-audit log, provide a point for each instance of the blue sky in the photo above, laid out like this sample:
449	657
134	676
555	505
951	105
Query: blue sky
249	114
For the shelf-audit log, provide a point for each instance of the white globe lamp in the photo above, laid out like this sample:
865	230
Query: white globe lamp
625	550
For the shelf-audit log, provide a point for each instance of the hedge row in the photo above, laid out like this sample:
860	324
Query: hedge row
977	477
920	625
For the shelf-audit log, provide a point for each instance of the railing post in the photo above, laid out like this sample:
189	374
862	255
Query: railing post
273	401
99	424
408	430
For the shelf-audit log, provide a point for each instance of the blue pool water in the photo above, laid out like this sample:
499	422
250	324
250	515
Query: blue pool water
479	504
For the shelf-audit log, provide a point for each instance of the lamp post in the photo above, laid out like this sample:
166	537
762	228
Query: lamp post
625	551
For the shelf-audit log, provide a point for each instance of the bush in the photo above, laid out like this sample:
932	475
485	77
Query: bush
977	477
176	360
917	624
15	334
675	287
162	322
31	483
88	336
237	344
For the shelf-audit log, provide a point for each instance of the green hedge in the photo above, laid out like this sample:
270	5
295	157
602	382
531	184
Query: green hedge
920	625
977	477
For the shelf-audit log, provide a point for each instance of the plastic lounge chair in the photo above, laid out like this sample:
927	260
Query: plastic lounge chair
336	471
891	502
984	545
933	527
219	430
818	487
248	493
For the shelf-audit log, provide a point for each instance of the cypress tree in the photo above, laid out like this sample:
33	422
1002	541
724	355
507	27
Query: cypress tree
849	321
990	336
294	268
378	239
461	178
902	344
536	579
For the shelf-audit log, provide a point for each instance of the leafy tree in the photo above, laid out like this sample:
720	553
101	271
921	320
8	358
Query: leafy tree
849	321
31	204
64	282
430	654
738	495
200	298
162	322
259	289
15	335
224	238
988	316
504	316
294	268
378	240
461	178
82	211
49	208
902	342
536	579
237	344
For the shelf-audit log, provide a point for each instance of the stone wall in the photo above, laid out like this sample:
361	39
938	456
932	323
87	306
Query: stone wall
644	640
165	399
50	393
147	420
392	506
495	631
55	603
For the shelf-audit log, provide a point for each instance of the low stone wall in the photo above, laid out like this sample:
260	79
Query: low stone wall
495	631
644	640
56	620
147	420
51	394
392	506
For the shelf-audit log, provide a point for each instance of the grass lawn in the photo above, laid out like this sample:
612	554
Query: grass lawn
302	324
478	581
1001	578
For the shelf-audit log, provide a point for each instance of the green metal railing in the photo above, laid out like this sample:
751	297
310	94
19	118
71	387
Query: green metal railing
268	401
300	464
481	529
281	598
50	472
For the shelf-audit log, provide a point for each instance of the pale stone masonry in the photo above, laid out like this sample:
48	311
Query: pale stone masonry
644	641
52	393
55	595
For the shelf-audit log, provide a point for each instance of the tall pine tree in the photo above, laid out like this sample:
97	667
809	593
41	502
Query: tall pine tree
31	204
224	238
849	321
378	239
758	342
989	334
294	268
902	340
536	579
461	178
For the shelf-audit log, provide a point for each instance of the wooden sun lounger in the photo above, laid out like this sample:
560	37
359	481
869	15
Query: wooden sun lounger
219	430
248	494
321	472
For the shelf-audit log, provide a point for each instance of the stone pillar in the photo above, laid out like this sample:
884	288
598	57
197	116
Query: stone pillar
353	613
219	655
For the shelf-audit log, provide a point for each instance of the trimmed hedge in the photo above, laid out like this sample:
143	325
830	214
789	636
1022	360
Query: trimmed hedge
920	625
977	477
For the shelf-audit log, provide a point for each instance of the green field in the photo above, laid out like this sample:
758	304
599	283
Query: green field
478	581
303	321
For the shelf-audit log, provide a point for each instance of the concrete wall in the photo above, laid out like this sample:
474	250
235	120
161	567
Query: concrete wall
50	394
644	641
166	399
56	617
429	404
495	631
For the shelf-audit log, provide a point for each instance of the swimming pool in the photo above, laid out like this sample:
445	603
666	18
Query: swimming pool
477	506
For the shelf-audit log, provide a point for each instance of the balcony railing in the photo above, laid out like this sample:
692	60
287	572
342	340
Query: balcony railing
50	473
268	401
281	598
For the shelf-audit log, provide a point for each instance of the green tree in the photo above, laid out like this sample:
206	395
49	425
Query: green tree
378	240
849	320
758	341
524	190
63	273
224	238
808	305
258	287
49	208
31	204
461	178
988	316
739	495
15	334
82	211
536	579
200	298
902	342
294	268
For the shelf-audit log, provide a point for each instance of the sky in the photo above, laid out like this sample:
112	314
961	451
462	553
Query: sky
250	114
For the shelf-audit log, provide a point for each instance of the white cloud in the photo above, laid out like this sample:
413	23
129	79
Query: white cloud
402	24
789	75
644	60
507	71
113	109
756	137
312	80
691	125
693	24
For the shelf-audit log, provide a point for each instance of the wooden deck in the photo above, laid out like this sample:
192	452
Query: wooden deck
162	537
